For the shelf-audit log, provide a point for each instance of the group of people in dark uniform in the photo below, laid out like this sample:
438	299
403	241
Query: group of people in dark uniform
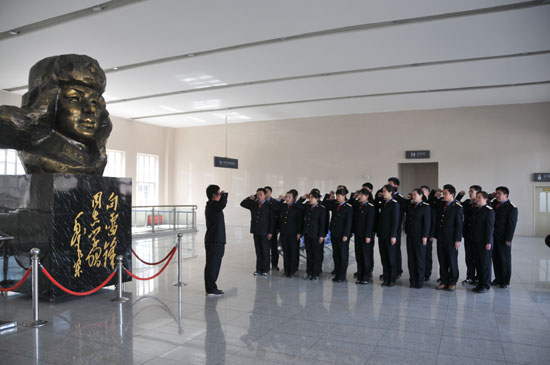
486	222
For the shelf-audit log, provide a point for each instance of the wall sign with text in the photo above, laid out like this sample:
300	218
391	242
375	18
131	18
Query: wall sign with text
417	154
541	176
229	163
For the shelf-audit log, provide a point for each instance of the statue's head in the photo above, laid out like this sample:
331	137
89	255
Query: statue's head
63	120
69	88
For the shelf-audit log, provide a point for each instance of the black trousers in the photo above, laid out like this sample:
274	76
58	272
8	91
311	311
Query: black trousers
388	256
261	244
416	255
314	252
398	257
447	255
471	254
274	244
429	260
502	262
483	264
214	254
364	257
290	245
340	255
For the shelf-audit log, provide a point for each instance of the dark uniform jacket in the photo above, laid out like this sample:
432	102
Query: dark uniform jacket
215	222
262	219
388	219
450	220
342	218
469	211
315	224
506	218
363	219
482	227
291	219
418	220
275	206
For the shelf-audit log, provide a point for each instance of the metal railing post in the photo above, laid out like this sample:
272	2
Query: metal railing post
180	273
153	220
174	218
119	268
36	322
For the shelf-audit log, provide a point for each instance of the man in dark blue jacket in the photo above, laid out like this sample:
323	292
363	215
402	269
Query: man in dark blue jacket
387	228
214	240
481	237
262	226
506	218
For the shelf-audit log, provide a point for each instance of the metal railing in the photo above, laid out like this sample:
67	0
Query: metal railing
149	219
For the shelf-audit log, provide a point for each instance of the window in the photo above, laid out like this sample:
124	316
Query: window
116	164
147	179
10	164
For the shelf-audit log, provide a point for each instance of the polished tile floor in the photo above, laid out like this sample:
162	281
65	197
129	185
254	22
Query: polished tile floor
280	320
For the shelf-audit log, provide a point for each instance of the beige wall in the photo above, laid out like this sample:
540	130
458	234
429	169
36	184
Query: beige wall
132	137
490	146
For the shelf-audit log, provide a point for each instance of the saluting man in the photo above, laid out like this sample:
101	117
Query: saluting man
506	218
481	239
363	228
470	207
314	232
291	224
274	204
386	230
262	226
340	232
417	228
448	233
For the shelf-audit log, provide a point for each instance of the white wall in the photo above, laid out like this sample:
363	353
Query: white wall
490	146
132	137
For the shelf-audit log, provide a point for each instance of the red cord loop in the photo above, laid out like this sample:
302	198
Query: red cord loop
68	291
153	263
19	283
157	274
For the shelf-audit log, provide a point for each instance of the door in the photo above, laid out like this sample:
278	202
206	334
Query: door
414	175
542	211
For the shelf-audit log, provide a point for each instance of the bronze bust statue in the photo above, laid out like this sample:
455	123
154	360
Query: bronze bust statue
63	124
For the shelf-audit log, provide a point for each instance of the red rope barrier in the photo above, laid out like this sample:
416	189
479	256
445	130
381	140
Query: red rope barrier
19	283
153	263
157	274
74	292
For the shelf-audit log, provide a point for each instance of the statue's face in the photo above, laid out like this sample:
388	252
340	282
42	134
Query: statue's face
79	112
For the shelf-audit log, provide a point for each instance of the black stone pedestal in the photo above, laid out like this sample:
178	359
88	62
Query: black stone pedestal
80	224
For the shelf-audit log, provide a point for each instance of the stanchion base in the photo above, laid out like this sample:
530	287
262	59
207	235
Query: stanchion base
179	284
120	300
35	324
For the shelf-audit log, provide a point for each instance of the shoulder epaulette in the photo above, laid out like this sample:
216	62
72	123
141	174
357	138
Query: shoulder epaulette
348	204
512	204
393	200
488	207
424	203
457	203
399	194
369	203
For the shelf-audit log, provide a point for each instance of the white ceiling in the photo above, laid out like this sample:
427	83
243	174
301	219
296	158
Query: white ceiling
149	31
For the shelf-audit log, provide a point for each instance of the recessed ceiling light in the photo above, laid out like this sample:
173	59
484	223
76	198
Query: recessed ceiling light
13	32
115	68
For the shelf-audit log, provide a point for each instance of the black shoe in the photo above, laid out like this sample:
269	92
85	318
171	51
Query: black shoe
265	274
495	283
307	277
504	286
468	282
276	268
480	290
381	277
427	278
418	286
215	293
257	273
385	283
333	272
391	283
336	280
364	282
355	274
314	278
